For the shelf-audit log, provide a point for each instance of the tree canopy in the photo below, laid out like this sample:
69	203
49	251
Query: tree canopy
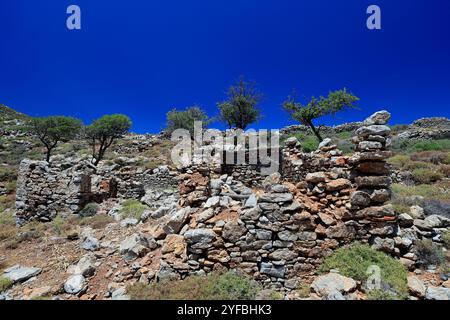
185	119
241	107
104	131
316	108
54	129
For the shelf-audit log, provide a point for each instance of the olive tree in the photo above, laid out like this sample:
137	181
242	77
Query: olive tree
316	108
241	107
185	119
104	131
52	130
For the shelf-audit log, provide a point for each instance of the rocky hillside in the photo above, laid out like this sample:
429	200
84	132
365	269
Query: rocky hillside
135	227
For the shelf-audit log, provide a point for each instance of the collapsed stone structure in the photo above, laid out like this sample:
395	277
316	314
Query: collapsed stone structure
277	229
67	184
281	232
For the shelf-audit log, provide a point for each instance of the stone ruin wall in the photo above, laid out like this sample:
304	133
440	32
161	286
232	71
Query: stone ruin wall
278	230
44	190
280	233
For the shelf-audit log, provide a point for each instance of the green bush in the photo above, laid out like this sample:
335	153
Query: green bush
89	210
132	209
446	239
426	176
413	146
435	157
416	165
227	286
98	221
355	260
429	253
445	170
309	144
434	145
378	294
7	174
399	160
5	284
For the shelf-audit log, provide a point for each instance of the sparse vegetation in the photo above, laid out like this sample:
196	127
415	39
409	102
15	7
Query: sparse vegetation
426	176
89	210
132	209
98	221
355	260
5	284
429	253
227	286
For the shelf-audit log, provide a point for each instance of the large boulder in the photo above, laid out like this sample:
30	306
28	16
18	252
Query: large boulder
416	287
19	273
136	246
177	220
373	130
378	118
332	282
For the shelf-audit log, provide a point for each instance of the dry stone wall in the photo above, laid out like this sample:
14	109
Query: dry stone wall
280	233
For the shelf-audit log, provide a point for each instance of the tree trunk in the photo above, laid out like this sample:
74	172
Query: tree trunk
315	131
49	151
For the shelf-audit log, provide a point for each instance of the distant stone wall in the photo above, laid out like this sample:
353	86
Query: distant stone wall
67	185
44	191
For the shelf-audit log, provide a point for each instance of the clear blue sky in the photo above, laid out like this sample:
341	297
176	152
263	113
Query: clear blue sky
144	57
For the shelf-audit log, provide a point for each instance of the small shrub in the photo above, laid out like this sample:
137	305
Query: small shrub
346	147
446	239
7	173
227	286
5	284
98	221
132	209
89	210
416	165
378	294
445	170
303	291
434	157
431	207
429	253
426	176
309	144
345	135
438	191
275	295
6	202
399	160
355	260
447	159
435	145
11	186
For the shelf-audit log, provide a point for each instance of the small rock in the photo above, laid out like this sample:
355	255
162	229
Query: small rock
434	293
90	244
75	284
416	286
